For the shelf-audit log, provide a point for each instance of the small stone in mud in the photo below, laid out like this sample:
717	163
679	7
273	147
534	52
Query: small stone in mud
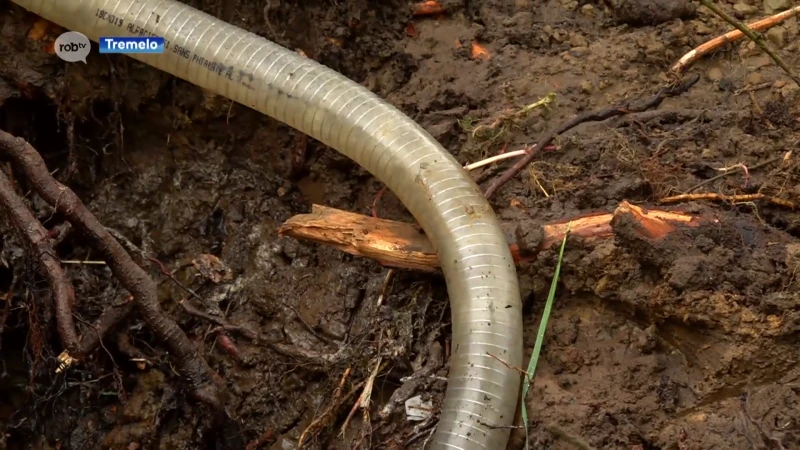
647	340
778	35
702	29
577	40
774	6
529	236
753	78
212	268
744	10
652	12
714	74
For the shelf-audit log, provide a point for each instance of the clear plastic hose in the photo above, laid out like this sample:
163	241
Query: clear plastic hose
481	278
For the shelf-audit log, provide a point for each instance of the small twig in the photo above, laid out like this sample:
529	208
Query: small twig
424	430
502	156
376	200
520	370
535	177
291	351
169	275
37	237
753	37
731	172
80	262
320	422
728	198
219	321
493	159
129	246
734	168
731	36
363	400
591	116
386	282
338	392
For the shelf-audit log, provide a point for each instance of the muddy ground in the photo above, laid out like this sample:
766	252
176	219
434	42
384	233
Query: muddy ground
688	343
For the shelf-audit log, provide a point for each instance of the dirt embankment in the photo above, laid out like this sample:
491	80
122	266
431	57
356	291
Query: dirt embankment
689	342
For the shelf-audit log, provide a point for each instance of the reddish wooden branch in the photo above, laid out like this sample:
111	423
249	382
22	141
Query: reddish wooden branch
401	245
731	36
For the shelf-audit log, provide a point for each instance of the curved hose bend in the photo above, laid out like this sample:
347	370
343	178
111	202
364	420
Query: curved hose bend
478	268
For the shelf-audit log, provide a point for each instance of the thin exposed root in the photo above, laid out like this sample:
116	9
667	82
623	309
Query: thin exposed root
591	116
734	199
327	416
219	321
37	238
732	170
366	394
111	316
206	384
523	372
386	283
376	200
291	351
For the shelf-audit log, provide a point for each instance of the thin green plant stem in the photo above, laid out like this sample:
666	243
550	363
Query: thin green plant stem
537	348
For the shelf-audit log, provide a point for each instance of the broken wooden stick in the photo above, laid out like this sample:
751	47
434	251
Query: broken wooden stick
402	245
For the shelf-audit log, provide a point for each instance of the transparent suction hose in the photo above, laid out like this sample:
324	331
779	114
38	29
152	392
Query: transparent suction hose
481	278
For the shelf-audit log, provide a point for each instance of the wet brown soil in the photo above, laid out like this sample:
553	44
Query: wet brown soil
687	343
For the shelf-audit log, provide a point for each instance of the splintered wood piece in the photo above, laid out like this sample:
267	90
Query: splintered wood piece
402	245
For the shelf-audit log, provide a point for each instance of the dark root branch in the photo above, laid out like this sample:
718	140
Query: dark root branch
207	386
37	237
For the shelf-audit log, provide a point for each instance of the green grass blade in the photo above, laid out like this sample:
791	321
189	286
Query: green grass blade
537	348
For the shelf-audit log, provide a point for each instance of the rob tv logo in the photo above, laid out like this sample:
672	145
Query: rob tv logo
72	47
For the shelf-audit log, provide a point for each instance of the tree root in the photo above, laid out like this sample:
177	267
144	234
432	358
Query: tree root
111	316
207	386
37	237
